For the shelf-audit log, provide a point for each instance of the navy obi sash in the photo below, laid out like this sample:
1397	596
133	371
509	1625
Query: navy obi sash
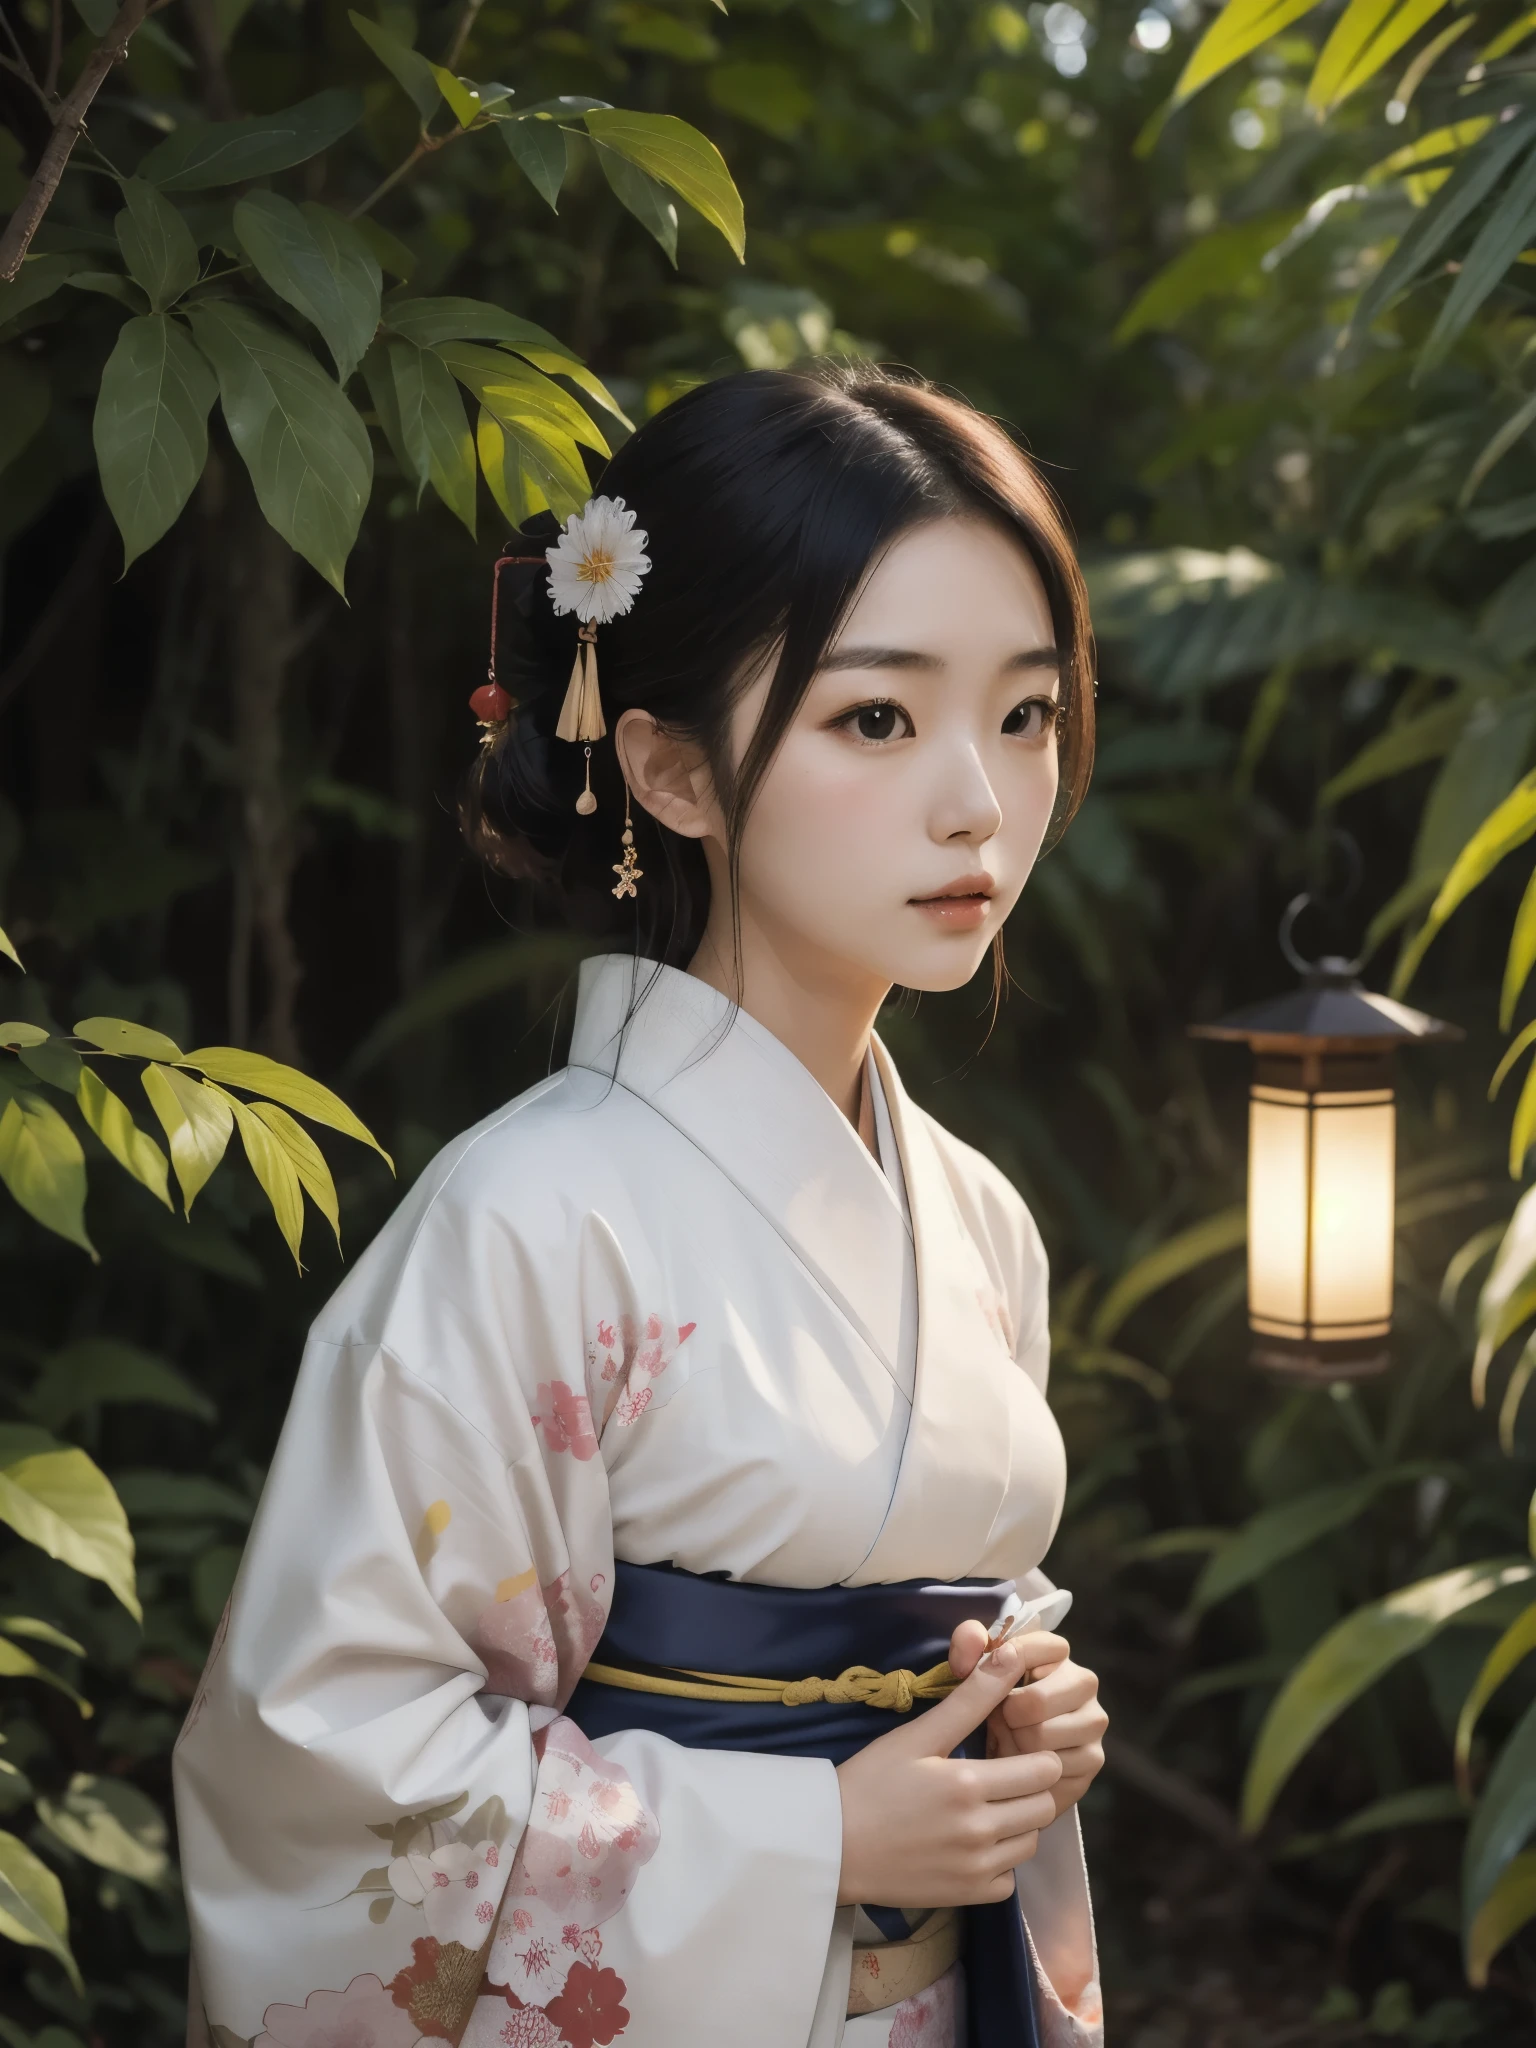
665	1620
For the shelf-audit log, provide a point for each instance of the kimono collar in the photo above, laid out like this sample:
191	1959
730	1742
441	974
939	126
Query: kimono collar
742	1098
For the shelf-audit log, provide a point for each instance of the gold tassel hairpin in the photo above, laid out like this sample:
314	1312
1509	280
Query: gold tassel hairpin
595	569
581	715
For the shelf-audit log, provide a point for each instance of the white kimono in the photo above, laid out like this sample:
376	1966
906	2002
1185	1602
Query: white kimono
652	1310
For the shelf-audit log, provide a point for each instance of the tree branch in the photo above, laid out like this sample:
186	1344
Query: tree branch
24	222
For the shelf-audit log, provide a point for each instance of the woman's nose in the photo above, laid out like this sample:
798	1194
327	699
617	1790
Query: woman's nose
968	807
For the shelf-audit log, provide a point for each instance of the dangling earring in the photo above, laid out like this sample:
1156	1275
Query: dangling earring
628	869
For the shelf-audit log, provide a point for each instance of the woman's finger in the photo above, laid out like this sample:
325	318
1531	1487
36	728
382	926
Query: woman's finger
1062	1732
967	1646
1062	1690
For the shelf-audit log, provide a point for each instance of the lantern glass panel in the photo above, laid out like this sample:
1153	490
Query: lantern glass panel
1278	1167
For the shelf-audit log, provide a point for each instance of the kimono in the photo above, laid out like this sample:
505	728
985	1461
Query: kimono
666	1308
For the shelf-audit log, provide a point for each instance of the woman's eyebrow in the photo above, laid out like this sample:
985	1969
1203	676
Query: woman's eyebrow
913	658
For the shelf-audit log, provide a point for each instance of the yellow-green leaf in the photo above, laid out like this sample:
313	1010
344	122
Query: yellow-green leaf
1349	1659
276	1172
32	1909
1511	1650
1522	1131
513	485
261	1076
65	1504
133	1149
1241	26
308	1161
1509	825
111	1824
677	154
196	1120
117	1035
14	1036
8	949
462	98
43	1167
1510	1906
1365	37
18	1663
1522	956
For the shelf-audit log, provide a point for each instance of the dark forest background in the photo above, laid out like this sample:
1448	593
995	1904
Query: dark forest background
1273	346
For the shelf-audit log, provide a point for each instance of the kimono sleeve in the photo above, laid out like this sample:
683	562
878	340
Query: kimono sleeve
390	1835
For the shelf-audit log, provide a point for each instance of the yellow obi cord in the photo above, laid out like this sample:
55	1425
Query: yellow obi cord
898	1691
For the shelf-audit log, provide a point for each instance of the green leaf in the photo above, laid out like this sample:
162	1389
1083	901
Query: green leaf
1507	827
409	69
261	1076
111	1824
197	1122
8	949
151	428
275	1171
1349	1659
1522	1129
1508	1653
460	93
307	1159
772	97
541	152
1241	26
63	1503
1407	744
380	379
669	149
97	1369
1503	1819
14	1036
644	196
203	154
38	279
1367	35
512	484
1499	241
43	1167
117	1035
181	1497
1510	1906
1208	1239
1522	955
390	253
32	1909
1514	428
1507	1296
18	1663
135	1151
1214	265
429	322
25	398
519	394
434	428
1279	1532
40	1632
54	1062
157	245
306	449
319	265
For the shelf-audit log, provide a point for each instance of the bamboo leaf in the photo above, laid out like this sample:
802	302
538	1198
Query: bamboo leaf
1507	1296
410	70
276	1173
1402	746
1241	27
1367	35
202	154
1499	241
1522	1129
43	1167
1503	1819
1349	1659
196	1120
434	427
1279	1532
261	1076
669	149
319	265
1508	1653
1203	1241
65	1504
306	449
1497	448
1510	1906
1507	827
32	1909
150	428
133	1149
1522	956
308	1162
1214	265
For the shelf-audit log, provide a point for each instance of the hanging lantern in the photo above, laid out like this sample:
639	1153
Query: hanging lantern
1322	1129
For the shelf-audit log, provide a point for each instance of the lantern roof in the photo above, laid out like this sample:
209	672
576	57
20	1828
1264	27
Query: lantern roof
1331	1011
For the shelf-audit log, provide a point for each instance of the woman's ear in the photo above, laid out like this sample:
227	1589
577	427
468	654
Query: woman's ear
669	777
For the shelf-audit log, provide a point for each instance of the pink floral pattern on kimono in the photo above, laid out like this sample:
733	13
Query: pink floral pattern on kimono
566	1419
585	1843
932	2018
535	1640
630	1357
456	1888
362	2016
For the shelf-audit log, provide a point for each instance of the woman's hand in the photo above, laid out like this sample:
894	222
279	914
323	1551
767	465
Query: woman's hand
1056	1709
923	1828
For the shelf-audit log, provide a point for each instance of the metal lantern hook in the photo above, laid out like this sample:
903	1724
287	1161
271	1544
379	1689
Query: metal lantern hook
1330	966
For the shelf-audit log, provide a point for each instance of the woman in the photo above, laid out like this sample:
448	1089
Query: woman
584	1680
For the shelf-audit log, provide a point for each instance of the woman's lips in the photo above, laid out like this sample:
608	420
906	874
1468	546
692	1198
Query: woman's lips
962	907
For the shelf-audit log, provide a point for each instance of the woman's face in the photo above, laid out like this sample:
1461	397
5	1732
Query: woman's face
903	812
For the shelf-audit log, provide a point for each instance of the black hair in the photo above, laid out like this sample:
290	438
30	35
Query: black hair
766	495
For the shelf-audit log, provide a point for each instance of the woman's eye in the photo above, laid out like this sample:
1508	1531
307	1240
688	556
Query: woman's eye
1034	719
876	722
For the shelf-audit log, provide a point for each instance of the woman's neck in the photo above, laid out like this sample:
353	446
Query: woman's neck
823	1011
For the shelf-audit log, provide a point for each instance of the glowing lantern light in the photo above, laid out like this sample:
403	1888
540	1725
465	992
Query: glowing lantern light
1322	1129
